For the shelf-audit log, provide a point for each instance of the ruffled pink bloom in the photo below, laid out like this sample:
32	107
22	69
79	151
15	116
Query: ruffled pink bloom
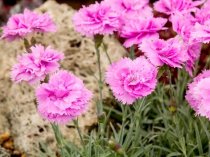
98	18
172	6
170	52
131	80
130	9
183	24
201	32
62	99
203	14
33	67
184	28
198	94
20	25
135	31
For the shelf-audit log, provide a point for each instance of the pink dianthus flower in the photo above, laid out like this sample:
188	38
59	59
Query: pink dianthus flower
128	6
130	80
62	99
136	30
198	94
131	10
184	29
98	18
172	6
33	67
20	25
183	24
170	52
201	28
203	14
201	32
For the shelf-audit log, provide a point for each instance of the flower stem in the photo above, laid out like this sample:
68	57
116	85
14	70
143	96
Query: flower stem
76	124
100	82
58	135
26	45
101	116
107	55
170	83
132	53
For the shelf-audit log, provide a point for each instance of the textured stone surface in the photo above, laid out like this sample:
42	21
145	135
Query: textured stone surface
17	102
3	152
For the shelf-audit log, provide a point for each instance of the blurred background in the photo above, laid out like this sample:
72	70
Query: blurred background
8	7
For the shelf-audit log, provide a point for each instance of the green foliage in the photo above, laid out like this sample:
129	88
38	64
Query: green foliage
161	125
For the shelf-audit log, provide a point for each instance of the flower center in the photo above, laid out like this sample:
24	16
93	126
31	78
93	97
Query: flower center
133	82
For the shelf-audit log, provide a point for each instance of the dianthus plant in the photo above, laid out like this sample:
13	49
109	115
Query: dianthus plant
147	112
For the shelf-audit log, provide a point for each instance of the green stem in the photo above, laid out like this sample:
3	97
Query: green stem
129	136
58	136
107	55
100	87
100	82
132	53
76	124
124	119
170	83
27	45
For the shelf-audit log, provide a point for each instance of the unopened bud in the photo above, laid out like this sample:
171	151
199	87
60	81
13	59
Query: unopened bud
111	144
101	117
116	147
98	40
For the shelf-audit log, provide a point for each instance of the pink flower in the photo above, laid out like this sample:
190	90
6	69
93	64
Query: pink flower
135	31
198	94
20	25
201	32
201	28
171	6
62	99
183	24
131	80
184	29
96	19
130	9
127	6
160	52
203	14
33	67
193	52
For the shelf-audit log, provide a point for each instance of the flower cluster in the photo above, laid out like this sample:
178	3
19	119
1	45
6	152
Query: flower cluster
130	80
135	22
63	98
135	31
20	25
160	52
198	94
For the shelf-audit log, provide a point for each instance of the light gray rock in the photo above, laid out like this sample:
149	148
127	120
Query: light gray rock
3	152
25	124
